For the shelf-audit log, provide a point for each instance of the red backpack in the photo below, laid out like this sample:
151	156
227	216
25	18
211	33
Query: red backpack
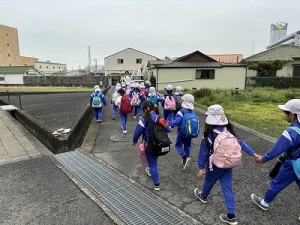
125	106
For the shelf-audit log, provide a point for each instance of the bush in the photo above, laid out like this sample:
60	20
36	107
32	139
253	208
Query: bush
203	92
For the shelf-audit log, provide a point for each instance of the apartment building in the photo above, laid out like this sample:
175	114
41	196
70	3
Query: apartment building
9	46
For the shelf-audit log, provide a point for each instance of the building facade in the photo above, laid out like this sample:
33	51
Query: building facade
196	71
9	46
126	62
49	68
15	74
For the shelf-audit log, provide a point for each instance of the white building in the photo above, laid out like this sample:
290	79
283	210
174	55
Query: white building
49	68
14	74
126	62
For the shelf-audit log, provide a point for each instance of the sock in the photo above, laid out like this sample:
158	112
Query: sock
230	216
265	204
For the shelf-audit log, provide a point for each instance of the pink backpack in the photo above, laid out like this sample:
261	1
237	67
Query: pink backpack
135	101
226	152
170	103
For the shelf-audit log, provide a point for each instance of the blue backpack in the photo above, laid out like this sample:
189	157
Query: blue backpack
153	99
189	125
97	101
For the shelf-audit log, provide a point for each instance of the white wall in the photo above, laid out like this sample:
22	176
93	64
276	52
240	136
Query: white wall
129	57
13	78
50	68
225	78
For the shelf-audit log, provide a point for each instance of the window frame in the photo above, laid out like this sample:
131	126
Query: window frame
138	60
204	76
120	61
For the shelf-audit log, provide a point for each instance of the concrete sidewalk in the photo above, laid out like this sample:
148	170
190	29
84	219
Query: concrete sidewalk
177	185
33	190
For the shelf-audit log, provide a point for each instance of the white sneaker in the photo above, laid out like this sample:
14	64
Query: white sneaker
134	117
125	132
147	169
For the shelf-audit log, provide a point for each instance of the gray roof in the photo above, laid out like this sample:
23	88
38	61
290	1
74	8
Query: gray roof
282	52
175	64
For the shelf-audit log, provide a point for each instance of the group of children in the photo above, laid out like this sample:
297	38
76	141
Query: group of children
216	122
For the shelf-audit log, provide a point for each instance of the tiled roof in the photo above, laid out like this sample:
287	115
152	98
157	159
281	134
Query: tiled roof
132	50
159	62
228	58
14	69
191	65
282	52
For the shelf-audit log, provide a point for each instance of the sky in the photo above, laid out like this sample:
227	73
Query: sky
62	30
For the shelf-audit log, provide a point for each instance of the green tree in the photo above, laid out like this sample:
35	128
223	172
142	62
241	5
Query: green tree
153	80
267	69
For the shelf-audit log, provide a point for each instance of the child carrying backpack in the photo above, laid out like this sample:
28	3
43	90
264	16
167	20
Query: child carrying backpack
188	128
97	100
153	97
154	130
178	99
216	123
169	104
114	96
136	99
123	103
288	145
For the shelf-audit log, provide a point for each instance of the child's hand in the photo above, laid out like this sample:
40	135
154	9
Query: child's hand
258	158
201	173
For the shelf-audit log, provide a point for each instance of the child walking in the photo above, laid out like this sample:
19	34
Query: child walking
114	96
216	121
144	128
183	141
97	100
123	103
169	104
287	144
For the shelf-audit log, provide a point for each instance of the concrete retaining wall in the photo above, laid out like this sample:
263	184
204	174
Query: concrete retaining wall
86	81
44	133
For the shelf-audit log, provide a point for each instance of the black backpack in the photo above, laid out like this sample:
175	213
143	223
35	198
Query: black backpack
159	142
178	101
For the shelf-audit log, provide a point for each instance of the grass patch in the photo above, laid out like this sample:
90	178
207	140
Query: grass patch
254	108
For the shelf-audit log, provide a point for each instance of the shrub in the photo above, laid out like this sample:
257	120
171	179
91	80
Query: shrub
203	92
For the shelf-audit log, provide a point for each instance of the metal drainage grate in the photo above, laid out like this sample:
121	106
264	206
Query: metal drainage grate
129	203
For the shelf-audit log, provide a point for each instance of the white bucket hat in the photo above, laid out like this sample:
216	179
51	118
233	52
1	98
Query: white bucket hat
152	91
97	88
215	115
169	87
292	106
178	90
188	101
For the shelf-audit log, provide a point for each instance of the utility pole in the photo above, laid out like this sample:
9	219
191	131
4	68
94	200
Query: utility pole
89	66
95	65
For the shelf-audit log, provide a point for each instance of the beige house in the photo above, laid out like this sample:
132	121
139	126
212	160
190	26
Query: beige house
197	70
50	68
288	53
126	62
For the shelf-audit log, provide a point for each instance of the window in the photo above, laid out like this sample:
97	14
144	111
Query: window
120	61
47	67
53	67
205	74
8	54
7	44
138	61
6	34
1	78
40	67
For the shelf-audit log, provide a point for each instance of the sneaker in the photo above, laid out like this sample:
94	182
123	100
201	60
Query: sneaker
134	117
147	169
225	219
125	131
257	201
198	194
185	162
113	117
99	121
156	187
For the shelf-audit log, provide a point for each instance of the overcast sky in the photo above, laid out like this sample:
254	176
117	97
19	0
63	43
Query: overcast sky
62	30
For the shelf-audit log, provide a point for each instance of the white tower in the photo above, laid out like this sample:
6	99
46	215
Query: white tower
278	31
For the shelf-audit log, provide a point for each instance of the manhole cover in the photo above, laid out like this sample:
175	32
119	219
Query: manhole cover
121	137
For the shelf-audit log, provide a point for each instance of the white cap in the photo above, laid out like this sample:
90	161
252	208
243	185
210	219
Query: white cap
97	88
169	87
292	106
132	85
188	101
215	115
178	90
142	85
147	82
152	91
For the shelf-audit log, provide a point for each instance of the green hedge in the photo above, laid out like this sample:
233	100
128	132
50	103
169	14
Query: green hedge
277	82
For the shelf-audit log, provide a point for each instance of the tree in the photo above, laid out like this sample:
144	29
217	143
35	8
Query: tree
267	69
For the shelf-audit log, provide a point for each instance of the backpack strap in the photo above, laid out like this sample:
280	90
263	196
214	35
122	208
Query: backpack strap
296	129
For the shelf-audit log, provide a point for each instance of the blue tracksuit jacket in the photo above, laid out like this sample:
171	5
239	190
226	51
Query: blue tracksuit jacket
145	129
